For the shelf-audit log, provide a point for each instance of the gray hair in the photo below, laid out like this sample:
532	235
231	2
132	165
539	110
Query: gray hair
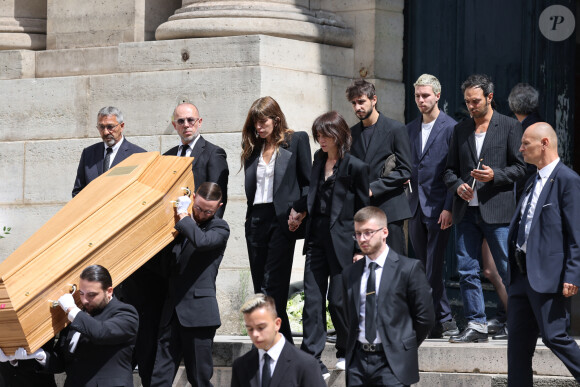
523	99
429	80
259	301
111	111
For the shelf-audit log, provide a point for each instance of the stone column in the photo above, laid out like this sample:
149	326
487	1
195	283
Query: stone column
292	19
22	24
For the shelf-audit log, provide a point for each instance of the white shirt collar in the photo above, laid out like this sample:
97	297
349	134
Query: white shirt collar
275	351
548	169
380	259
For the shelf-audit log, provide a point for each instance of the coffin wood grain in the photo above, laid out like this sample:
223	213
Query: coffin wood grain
120	220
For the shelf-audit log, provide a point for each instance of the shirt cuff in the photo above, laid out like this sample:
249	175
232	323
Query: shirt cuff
73	313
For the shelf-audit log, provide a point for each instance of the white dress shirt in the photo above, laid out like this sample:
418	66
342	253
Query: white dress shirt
190	149
265	179
544	174
274	354
114	152
479	138
380	261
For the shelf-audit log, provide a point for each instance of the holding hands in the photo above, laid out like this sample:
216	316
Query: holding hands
295	219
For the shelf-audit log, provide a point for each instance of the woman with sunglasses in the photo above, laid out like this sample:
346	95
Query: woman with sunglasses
339	187
277	163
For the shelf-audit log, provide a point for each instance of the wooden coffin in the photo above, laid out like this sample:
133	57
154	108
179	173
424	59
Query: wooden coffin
120	220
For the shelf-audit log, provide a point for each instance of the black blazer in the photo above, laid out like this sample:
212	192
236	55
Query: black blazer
500	151
91	163
294	368
197	254
291	178
104	351
429	192
350	194
390	137
209	164
406	313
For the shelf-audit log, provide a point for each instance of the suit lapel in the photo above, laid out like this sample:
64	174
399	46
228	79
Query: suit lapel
198	149
99	157
357	272
254	366
340	189
319	161
378	139
120	156
437	128
282	367
282	161
251	167
543	195
387	276
490	136
358	148
416	138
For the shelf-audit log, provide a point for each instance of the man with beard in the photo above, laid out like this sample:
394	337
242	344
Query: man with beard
190	315
389	308
96	348
483	164
429	228
380	141
99	158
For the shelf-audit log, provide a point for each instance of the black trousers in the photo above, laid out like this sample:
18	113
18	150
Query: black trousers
321	262
429	243
271	253
370	369
396	238
194	345
530	313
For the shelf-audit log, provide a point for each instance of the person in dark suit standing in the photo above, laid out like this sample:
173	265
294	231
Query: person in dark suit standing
429	228
374	139
544	240
99	158
190	314
96	348
524	101
389	308
273	361
482	166
210	161
339	187
277	164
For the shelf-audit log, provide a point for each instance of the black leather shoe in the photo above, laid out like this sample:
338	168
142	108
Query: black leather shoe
494	326
502	334
469	335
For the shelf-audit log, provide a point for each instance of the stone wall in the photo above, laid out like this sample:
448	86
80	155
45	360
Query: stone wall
49	101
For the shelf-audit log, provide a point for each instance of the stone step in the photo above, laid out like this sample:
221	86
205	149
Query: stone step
441	364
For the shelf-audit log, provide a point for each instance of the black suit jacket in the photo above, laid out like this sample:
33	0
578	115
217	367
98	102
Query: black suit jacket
553	244
104	351
429	192
197	254
405	312
389	137
91	163
350	194
500	151
294	368
291	178
209	164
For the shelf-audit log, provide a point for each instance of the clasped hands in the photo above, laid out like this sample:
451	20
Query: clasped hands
295	219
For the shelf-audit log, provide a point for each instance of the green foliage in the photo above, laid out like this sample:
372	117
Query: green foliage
294	310
5	231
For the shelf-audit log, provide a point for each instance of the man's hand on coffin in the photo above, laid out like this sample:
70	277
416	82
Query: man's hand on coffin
21	354
183	203
67	302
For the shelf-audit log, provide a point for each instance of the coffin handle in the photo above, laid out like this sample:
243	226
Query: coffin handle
54	304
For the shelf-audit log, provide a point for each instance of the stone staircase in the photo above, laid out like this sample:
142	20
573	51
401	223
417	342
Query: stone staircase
442	364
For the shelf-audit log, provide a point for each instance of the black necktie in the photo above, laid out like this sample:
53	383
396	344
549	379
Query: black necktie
522	226
107	160
184	149
266	373
371	306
